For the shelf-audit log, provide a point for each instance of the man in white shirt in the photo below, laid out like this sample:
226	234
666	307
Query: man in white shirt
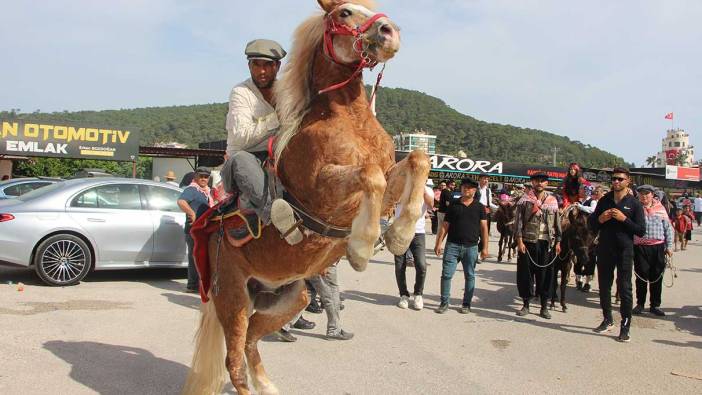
698	209
418	248
251	121
588	206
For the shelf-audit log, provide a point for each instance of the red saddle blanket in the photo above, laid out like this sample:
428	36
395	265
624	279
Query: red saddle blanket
208	223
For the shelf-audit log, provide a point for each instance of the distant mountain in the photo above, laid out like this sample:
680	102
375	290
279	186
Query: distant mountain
399	110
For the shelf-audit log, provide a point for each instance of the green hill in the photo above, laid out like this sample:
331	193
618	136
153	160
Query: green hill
399	110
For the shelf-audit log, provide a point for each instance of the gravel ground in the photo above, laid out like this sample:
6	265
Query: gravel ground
130	332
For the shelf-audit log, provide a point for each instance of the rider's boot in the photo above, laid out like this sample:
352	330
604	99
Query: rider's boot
283	218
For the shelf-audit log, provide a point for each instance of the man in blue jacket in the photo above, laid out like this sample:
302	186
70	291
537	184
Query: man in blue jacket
618	217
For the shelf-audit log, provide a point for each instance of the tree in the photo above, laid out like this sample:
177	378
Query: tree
651	161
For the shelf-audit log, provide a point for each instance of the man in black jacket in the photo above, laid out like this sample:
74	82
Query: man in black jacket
618	217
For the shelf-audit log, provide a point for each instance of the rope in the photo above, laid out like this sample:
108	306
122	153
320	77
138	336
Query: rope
668	265
536	264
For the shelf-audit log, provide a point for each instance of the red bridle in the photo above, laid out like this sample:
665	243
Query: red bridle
335	29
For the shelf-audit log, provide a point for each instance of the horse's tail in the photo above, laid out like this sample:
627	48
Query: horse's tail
208	373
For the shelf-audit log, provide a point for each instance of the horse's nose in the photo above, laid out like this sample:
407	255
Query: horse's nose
387	30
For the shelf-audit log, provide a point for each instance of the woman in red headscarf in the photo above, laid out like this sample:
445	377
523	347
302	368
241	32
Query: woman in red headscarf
571	184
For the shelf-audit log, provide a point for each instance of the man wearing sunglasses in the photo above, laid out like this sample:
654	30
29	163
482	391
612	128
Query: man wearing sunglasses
618	217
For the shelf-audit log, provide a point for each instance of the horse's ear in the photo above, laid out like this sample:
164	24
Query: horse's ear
328	5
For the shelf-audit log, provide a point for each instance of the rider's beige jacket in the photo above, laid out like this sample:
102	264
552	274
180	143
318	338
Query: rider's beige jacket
250	120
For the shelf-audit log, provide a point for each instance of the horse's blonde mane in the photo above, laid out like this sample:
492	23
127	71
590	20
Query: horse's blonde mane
293	93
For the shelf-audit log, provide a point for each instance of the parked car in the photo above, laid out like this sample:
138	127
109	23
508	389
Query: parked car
19	186
66	229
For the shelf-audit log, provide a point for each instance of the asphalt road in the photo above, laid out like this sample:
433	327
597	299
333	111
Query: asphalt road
131	333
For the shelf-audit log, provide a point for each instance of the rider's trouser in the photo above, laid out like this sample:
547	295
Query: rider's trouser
243	172
526	270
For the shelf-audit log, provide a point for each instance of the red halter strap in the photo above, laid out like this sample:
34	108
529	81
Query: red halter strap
335	29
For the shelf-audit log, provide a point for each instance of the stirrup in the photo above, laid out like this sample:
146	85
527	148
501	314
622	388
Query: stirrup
283	218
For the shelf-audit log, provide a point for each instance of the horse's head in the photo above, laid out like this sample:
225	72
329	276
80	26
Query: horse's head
356	34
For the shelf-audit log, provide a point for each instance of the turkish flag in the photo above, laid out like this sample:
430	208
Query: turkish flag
669	115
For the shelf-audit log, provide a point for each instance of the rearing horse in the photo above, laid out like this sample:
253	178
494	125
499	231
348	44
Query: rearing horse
338	163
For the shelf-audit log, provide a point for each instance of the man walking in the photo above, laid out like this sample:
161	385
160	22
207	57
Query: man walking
417	247
537	230
465	224
445	200
650	251
327	285
618	217
194	201
486	197
698	209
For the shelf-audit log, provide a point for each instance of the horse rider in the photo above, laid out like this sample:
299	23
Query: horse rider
251	121
571	184
537	230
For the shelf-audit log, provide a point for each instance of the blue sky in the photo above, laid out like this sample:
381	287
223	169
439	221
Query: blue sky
601	72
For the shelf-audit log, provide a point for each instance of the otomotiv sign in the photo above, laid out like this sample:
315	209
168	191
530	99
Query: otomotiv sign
61	140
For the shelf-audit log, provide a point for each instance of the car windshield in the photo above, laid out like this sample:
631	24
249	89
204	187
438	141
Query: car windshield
40	192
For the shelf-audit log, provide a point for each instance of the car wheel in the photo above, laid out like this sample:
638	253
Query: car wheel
62	260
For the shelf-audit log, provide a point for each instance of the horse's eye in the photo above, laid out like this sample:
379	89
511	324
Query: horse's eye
345	13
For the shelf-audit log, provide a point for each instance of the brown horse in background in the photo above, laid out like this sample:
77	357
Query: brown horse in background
504	217
338	162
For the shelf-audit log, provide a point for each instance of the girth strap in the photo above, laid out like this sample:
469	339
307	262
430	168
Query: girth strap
315	224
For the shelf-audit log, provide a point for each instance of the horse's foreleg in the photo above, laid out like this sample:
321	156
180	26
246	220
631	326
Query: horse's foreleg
263	323
405	183
365	228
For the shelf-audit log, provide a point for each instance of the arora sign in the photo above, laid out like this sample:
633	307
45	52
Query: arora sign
61	140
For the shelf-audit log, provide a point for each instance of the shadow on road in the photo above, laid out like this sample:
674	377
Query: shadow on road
113	369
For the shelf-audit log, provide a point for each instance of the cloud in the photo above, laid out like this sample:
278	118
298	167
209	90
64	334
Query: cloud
600	72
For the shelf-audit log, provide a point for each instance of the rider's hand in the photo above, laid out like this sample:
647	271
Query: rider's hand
438	250
605	216
669	253
558	248
192	216
521	247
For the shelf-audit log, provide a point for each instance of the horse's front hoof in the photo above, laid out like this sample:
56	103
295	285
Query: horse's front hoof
396	243
565	308
358	262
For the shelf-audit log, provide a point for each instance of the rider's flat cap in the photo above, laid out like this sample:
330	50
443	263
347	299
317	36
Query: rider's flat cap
646	188
539	176
202	170
264	50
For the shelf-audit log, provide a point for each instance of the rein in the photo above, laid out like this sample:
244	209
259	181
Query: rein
359	46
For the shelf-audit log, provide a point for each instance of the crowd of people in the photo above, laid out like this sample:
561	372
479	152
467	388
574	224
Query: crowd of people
637	226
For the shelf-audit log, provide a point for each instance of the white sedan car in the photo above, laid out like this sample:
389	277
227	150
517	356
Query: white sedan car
66	229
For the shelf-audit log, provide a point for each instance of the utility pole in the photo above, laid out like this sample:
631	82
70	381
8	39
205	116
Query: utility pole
555	150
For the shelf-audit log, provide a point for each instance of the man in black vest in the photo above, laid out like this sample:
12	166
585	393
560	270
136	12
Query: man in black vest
618	217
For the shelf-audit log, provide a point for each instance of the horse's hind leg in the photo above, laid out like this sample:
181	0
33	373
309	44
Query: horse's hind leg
406	182
264	323
233	307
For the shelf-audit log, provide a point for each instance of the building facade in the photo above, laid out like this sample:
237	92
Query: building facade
419	139
675	144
